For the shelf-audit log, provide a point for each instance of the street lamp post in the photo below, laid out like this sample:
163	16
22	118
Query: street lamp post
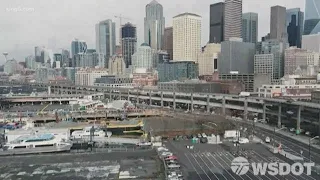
274	134
310	146
254	124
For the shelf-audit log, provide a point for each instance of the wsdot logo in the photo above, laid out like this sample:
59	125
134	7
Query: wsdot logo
240	165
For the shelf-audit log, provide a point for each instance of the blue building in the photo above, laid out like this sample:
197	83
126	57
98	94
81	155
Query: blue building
177	70
294	24
312	19
78	46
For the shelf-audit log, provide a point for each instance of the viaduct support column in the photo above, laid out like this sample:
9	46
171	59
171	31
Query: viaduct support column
174	100
245	113
279	116
191	102
138	94
128	95
298	120
161	95
119	95
150	99
110	96
49	90
319	126
264	116
208	101
223	105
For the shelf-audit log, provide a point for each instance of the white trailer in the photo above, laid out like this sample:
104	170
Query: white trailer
231	134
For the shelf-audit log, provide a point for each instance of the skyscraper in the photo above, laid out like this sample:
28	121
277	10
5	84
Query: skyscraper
106	39
168	41
250	27
129	43
78	46
294	26
186	36
278	22
216	23
154	24
37	53
232	19
312	19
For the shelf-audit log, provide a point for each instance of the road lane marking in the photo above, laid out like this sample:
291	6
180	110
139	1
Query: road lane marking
200	166
223	167
193	166
230	160
208	166
295	177
208	155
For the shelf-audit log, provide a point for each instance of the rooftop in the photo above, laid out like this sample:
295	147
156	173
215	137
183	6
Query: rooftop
186	14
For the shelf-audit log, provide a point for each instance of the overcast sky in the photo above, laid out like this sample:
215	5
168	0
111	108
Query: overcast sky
55	23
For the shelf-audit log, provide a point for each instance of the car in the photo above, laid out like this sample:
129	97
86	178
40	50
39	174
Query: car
267	140
204	135
307	133
199	136
243	140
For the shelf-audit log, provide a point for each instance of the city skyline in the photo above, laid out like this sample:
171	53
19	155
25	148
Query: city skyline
65	25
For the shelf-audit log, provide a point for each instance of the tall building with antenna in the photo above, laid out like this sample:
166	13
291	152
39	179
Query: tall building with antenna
154	24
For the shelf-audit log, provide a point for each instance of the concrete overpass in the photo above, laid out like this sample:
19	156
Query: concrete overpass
152	96
52	98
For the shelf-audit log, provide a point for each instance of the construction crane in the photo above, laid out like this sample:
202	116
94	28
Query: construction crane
120	17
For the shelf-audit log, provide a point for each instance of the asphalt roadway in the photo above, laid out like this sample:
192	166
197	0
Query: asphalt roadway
288	144
79	166
210	162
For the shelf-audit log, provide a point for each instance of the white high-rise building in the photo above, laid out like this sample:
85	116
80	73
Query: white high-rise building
208	59
145	57
87	76
232	19
186	37
154	24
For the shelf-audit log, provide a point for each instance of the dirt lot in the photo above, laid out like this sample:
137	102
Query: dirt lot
180	123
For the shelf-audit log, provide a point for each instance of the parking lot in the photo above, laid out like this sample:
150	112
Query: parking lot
103	165
208	161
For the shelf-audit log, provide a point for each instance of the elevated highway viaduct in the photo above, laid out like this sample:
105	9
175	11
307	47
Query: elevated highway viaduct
259	105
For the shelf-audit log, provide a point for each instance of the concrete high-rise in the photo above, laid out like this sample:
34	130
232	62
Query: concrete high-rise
236	56
311	42
78	46
129	42
106	39
232	19
216	23
278	22
168	41
297	58
154	24
312	18
294	26
250	27
186	37
208	58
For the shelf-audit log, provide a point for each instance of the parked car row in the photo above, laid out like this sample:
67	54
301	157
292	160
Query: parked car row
172	166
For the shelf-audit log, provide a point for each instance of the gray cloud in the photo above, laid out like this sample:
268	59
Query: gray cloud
57	23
